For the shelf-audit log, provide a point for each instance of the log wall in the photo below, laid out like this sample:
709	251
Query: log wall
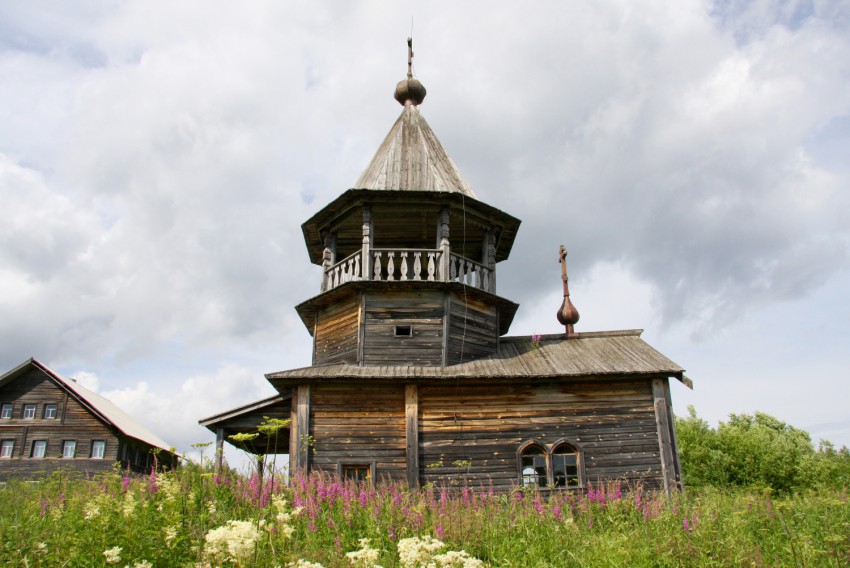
473	329
359	424
336	335
612	423
422	310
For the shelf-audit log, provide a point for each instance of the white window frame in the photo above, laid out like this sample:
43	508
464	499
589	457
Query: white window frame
69	449
98	449
39	449
6	410
7	449
50	411
28	412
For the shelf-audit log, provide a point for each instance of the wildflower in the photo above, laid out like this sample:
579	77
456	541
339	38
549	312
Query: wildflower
366	556
170	534
129	505
112	555
41	548
233	541
125	483
91	511
211	507
458	558
415	551
304	564
142	564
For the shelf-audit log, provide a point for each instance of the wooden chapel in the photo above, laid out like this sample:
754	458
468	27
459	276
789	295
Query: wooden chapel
413	377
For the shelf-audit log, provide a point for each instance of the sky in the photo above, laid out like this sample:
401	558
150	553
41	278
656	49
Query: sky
157	159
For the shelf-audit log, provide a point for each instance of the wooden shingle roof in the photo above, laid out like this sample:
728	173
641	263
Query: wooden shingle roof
587	355
412	158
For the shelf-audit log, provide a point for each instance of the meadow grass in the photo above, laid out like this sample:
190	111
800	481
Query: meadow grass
190	517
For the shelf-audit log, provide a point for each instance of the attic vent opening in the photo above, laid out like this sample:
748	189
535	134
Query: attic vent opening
404	331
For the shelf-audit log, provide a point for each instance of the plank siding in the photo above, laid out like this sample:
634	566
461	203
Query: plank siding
423	311
473	329
359	424
613	424
337	333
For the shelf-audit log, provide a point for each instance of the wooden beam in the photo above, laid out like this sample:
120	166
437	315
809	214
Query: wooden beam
219	449
293	431
664	429
302	431
677	466
411	433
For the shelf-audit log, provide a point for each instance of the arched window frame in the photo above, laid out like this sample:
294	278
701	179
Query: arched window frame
549	451
579	465
521	453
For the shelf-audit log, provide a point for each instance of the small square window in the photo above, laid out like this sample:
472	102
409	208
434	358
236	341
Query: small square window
404	331
29	411
98	448
50	411
69	448
6	410
7	448
39	448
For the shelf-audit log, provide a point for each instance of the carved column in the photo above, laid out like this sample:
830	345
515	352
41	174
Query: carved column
488	258
328	260
443	244
366	260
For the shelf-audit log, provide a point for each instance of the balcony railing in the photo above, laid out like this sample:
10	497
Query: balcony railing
401	264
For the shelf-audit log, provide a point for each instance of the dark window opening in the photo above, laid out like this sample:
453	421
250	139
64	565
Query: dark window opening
404	331
565	467
533	467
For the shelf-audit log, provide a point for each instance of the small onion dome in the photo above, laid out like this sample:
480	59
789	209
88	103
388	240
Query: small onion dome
409	92
567	313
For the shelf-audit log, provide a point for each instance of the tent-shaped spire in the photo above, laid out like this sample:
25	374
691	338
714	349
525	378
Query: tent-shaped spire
410	157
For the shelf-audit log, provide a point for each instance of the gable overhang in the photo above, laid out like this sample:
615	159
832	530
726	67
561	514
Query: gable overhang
246	419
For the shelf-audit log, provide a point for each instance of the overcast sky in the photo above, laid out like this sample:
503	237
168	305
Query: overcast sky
158	158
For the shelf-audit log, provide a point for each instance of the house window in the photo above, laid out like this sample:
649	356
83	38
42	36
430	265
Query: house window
39	448
558	465
6	410
7	448
565	466
50	411
533	466
29	411
357	471
404	331
98	448
69	448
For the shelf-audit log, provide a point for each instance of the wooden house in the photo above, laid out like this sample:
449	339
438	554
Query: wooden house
49	422
413	377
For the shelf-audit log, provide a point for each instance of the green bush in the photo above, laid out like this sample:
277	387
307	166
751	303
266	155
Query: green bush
756	450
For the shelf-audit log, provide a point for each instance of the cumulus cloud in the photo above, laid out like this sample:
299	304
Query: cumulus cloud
157	160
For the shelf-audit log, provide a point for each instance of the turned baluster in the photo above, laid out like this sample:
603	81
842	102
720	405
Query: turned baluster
431	266
377	273
417	265
403	267
390	266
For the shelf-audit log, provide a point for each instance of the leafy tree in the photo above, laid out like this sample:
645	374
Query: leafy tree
756	450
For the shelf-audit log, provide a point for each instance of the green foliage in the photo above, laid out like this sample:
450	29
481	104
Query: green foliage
756	451
192	517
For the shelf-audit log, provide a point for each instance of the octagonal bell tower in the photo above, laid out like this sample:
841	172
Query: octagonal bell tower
408	257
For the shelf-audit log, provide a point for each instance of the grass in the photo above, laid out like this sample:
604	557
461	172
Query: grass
186	518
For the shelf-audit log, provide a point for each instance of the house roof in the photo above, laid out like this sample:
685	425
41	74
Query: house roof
102	407
412	158
587	355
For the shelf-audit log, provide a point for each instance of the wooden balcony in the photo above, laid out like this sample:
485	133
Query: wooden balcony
400	264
